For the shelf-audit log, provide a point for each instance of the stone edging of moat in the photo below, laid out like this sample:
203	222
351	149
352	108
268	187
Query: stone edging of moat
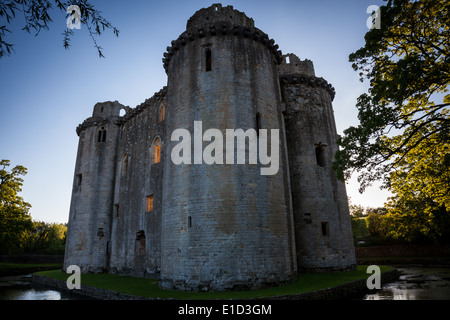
340	292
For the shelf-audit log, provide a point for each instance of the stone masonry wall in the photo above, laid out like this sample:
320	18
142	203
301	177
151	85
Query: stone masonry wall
136	242
322	222
224	226
89	229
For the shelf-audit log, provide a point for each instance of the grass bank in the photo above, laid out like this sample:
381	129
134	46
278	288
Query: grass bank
306	282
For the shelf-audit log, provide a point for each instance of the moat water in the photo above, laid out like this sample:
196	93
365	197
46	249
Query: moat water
415	283
20	288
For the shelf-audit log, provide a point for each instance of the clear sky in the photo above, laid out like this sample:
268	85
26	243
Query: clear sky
46	91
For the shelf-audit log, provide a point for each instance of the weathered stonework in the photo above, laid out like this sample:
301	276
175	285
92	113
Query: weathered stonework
213	227
321	215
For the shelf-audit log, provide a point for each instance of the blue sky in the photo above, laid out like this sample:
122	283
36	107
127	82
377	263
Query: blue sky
46	91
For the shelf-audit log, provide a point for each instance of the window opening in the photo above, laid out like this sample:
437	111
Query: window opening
156	151
79	179
307	218
101	135
325	229
140	242
100	233
208	60
124	165
320	155
162	112
149	203
258	123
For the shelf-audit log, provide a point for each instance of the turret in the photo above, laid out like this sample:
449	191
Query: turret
89	230
224	225
322	223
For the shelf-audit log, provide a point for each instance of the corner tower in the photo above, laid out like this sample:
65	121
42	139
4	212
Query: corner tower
89	230
322	222
224	226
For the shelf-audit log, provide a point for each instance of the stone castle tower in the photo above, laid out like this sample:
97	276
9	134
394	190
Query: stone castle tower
213	226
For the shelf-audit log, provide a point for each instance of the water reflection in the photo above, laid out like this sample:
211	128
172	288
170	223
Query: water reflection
416	283
19	288
30	294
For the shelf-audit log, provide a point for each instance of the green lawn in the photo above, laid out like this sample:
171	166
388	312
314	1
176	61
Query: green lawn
306	282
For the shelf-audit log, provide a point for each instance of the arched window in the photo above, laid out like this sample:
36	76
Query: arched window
156	150
320	155
101	136
162	112
140	243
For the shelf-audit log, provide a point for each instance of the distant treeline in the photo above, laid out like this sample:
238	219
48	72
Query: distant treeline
36	238
18	232
378	226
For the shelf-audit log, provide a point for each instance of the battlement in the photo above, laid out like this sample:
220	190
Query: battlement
218	14
104	112
293	70
291	64
308	80
107	109
220	21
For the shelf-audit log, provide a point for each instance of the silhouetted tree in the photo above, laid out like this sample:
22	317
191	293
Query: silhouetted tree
37	17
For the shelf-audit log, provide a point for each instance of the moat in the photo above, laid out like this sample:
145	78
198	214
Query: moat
20	288
415	283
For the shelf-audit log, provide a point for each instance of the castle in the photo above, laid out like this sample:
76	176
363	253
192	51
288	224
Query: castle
213	226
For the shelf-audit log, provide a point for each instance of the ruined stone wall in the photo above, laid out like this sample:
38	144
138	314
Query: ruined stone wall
292	65
322	221
136	245
89	229
218	14
224	226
